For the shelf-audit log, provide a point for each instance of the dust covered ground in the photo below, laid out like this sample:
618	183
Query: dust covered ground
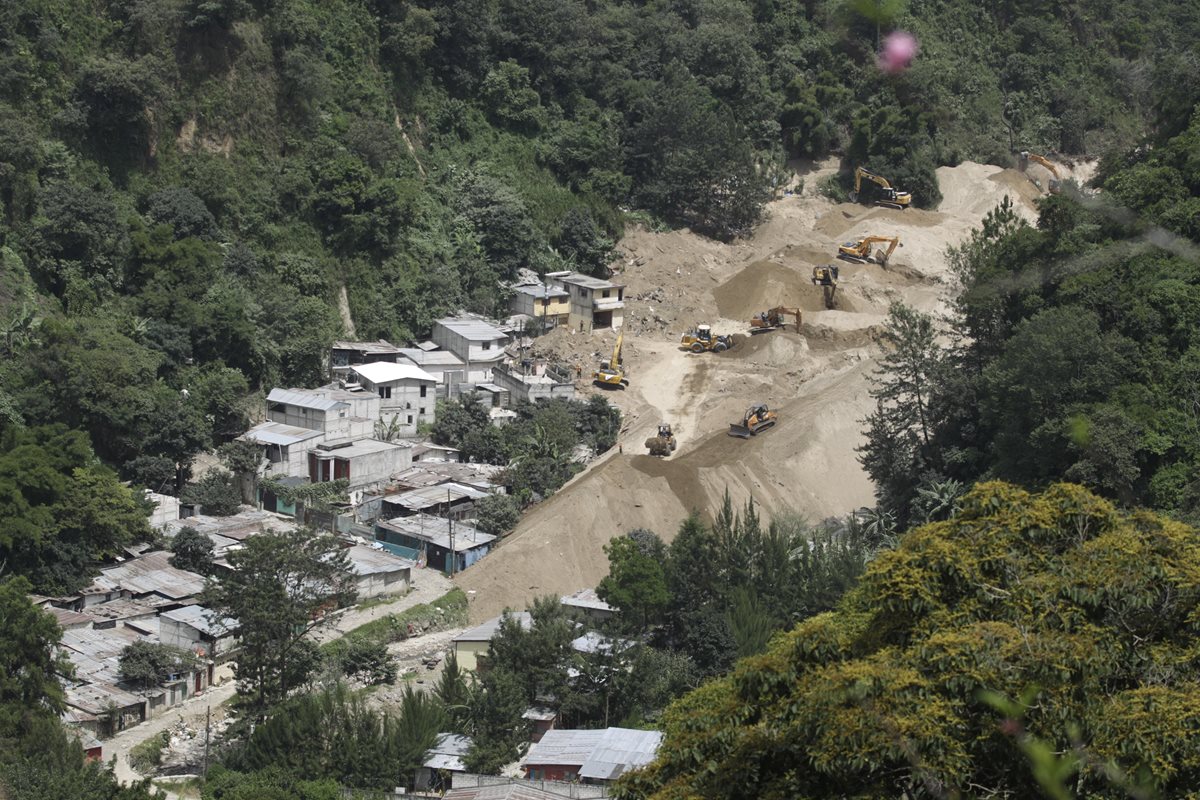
816	379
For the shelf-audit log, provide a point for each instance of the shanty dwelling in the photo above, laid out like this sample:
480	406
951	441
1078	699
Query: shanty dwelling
430	540
146	576
200	631
479	343
471	647
285	447
541	720
442	762
595	303
449	499
428	451
407	394
344	355
590	756
588	604
377	572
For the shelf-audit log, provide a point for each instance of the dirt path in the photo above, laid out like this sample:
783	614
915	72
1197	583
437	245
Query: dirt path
817	379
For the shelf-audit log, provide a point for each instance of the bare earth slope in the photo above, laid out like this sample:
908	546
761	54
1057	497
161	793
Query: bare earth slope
816	379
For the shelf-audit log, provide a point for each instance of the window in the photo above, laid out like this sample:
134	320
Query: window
421	411
410	419
606	291
424	389
487	345
385	392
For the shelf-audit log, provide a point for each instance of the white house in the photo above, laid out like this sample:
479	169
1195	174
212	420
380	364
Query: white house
407	393
595	303
364	463
339	414
447	368
479	344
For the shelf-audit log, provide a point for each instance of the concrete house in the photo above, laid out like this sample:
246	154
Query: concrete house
378	573
364	463
198	630
407	393
550	304
448	369
339	414
534	382
594	303
344	355
477	342
431	540
590	756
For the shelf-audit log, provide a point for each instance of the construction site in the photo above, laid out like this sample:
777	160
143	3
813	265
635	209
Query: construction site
829	272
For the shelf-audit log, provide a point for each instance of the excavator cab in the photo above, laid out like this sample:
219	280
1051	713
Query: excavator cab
827	278
702	338
888	195
662	444
773	319
611	373
861	250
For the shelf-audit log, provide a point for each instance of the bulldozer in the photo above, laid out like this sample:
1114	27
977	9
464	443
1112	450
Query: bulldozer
890	197
827	278
757	418
1055	184
662	444
861	250
702	338
773	319
611	374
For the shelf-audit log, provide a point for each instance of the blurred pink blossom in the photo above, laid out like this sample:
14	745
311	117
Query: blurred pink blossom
899	49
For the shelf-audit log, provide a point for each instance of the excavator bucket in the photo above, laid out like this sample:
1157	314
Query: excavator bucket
740	431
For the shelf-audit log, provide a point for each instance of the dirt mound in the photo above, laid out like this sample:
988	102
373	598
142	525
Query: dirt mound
1019	185
766	284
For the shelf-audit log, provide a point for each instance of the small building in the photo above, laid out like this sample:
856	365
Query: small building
594	303
541	720
341	415
364	462
471	646
535	382
344	355
285	447
377	572
549	304
428	451
150	575
449	370
590	756
589	604
166	509
198	630
407	394
442	762
430	540
479	344
450	499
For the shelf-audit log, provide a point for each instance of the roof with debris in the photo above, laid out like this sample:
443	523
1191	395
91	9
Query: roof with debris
600	754
586	281
386	372
278	433
153	574
435	530
380	347
447	752
540	291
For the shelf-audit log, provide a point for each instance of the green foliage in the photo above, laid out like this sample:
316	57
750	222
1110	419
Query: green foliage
894	691
146	756
216	493
497	514
28	688
150	663
635	585
448	610
192	550
363	658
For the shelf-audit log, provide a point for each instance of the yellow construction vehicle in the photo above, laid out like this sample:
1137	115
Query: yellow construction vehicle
827	278
861	250
757	418
702	338
1055	184
773	319
611	374
663	444
890	197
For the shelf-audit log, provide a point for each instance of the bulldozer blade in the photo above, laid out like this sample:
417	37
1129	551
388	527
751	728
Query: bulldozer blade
740	431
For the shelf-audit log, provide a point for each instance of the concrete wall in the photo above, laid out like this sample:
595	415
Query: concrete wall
550	308
406	401
468	653
464	348
374	468
510	380
383	584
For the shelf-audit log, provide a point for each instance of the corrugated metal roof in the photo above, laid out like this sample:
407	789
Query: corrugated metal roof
506	791
432	358
382	346
620	750
430	496
365	560
472	328
448	752
306	398
203	619
436	531
586	598
153	574
485	632
595	642
385	372
564	748
278	433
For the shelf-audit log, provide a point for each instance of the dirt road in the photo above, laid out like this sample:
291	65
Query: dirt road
817	378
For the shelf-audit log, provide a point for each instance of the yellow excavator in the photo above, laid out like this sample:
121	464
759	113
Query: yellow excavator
1055	183
861	250
757	418
827	278
662	444
702	338
611	374
773	319
891	197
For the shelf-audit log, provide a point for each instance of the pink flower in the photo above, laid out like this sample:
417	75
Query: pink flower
899	49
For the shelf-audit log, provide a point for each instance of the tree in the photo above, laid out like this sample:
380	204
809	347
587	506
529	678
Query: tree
885	692
193	551
636	584
183	211
28	661
581	240
243	459
216	493
364	658
497	514
150	663
280	588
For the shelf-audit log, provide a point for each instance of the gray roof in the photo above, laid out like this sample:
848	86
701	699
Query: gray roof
540	291
486	631
278	433
586	281
306	398
68	619
153	574
431	358
586	598
473	328
447	752
594	642
361	447
123	608
367	560
435	530
433	473
601	755
204	620
381	347
429	496
518	790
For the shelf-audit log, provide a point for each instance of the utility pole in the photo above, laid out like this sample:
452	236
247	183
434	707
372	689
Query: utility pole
450	524
207	737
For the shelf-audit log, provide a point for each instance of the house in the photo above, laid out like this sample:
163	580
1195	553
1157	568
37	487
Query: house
150	575
341	415
449	499
344	355
285	447
589	604
407	394
449	370
377	572
590	756
428	451
550	304
541	720
433	473
534	382
430	540
198	630
594	303
445	757
479	344
471	647
364	462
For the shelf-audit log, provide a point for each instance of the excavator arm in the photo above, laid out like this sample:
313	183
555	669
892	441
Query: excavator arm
616	356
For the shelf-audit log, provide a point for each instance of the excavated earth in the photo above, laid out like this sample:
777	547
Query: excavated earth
817	378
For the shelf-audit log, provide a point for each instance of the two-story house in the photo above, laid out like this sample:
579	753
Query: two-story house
550	304
344	355
407	394
298	420
477	342
594	303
